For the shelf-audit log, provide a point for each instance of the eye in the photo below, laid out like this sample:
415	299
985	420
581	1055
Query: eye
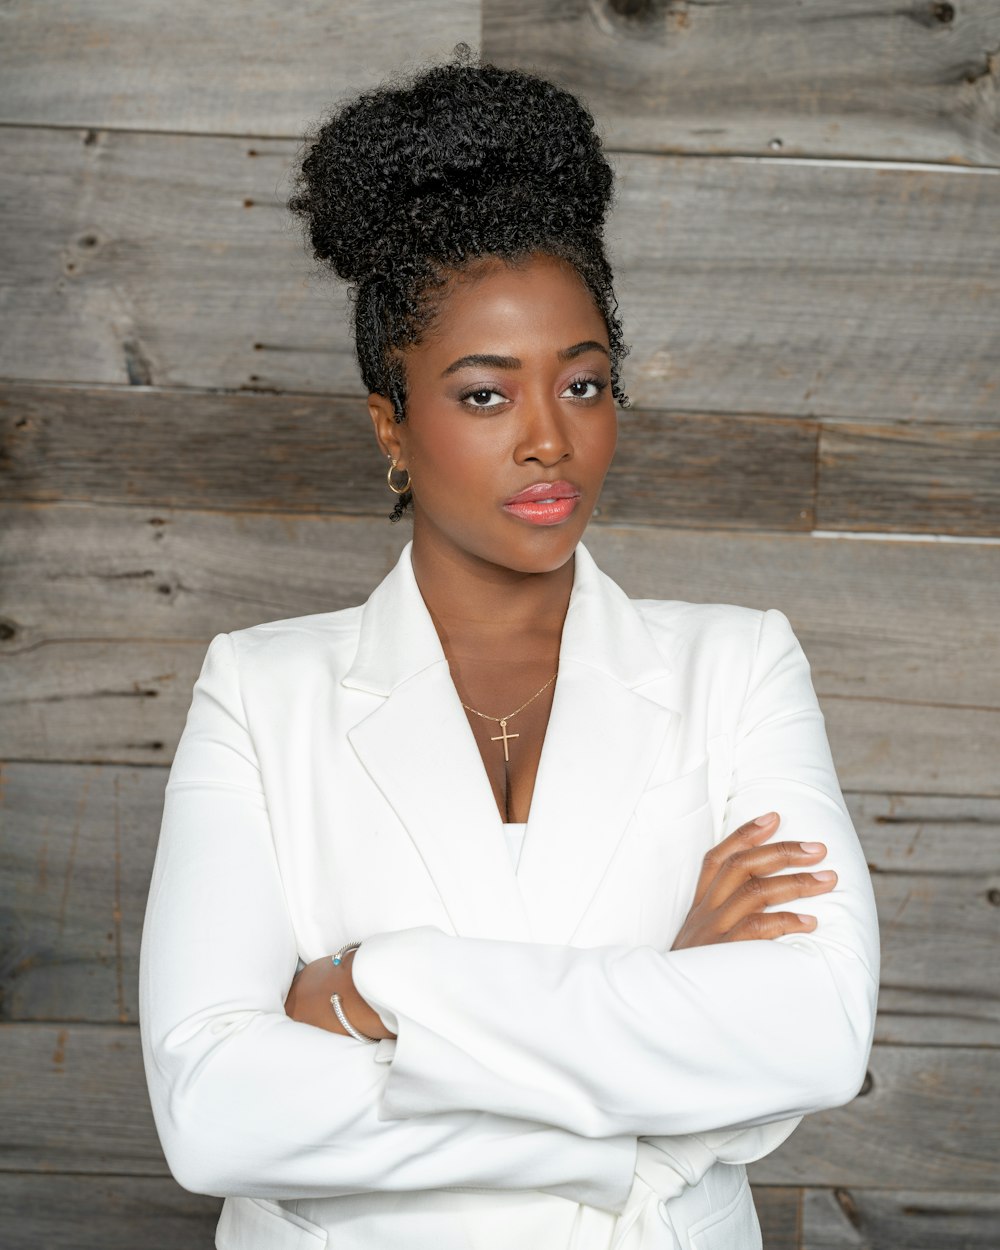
482	397
585	388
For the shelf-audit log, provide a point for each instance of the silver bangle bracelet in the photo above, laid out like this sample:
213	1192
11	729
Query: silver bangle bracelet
355	1033
338	1006
337	956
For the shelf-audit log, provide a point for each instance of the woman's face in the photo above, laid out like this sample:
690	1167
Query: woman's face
508	393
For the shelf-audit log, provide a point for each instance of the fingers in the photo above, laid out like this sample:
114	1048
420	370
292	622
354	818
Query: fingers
769	925
746	836
757	893
740	861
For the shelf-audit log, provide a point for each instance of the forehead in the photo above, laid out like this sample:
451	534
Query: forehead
536	306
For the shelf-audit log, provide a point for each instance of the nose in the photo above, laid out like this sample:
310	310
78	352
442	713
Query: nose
544	436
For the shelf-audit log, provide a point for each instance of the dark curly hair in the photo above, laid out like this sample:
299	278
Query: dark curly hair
407	183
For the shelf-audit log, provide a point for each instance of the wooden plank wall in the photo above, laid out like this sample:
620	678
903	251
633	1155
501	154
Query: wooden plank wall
807	243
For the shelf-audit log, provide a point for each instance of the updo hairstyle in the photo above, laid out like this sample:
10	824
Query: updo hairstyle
406	184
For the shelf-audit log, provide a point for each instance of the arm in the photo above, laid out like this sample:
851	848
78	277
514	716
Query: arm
248	1101
631	1040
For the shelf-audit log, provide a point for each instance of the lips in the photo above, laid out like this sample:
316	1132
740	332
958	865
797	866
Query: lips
545	503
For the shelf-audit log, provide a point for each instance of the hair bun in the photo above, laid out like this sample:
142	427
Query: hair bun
462	159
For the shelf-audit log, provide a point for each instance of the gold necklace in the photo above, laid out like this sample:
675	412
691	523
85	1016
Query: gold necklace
503	736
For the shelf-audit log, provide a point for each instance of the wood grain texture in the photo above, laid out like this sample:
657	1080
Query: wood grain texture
927	834
926	479
76	1100
831	78
783	288
809	289
254	67
927	1113
292	453
107	611
78	847
66	1212
779	1211
917	1219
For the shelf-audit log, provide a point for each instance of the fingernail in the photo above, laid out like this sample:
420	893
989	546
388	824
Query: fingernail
766	820
806	919
825	875
811	847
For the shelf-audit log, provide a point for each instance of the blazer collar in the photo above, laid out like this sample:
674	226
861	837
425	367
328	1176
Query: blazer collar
602	630
612	718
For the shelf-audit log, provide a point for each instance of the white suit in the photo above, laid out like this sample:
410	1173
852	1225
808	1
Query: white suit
561	1078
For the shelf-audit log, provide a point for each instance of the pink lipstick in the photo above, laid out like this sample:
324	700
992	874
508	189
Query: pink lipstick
545	503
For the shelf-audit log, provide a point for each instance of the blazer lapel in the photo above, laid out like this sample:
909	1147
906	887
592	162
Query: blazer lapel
613	720
418	749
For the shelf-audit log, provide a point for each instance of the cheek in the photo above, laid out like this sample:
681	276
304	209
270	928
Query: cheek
600	439
457	451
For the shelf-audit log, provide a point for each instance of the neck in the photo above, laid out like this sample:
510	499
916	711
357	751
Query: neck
478	604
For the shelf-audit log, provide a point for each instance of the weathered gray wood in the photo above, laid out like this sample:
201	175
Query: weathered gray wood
780	288
74	1098
917	1219
78	844
63	1212
831	78
926	833
940	979
931	1112
253	67
923	478
902	637
294	453
805	289
153	258
72	571
779	1214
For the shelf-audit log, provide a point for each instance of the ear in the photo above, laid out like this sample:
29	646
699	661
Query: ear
387	429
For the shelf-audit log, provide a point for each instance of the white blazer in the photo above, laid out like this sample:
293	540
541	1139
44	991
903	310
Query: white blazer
561	1078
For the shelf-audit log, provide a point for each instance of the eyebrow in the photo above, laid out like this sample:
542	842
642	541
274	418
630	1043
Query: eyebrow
489	361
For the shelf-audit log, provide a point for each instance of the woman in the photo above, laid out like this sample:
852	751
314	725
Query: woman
470	924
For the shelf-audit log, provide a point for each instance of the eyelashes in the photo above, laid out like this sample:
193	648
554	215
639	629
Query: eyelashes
488	392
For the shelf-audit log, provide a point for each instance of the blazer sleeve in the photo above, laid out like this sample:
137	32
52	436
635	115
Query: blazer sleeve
248	1102
621	1039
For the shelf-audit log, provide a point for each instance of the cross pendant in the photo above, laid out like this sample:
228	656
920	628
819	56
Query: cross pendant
504	737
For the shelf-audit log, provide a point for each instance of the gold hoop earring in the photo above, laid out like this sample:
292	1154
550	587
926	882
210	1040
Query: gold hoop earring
397	490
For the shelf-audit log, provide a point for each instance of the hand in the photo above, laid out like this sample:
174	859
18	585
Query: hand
308	999
735	887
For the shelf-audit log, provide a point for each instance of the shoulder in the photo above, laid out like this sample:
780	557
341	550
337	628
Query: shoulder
729	637
297	643
700	625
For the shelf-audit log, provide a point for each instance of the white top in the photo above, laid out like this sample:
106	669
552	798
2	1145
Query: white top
621	1076
515	839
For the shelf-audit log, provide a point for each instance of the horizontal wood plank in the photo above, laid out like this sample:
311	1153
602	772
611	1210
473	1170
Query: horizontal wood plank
292	453
75	1100
106	613
69	1212
825	79
255	67
784	288
927	1113
921	478
809	290
79	842
918	834
915	1219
